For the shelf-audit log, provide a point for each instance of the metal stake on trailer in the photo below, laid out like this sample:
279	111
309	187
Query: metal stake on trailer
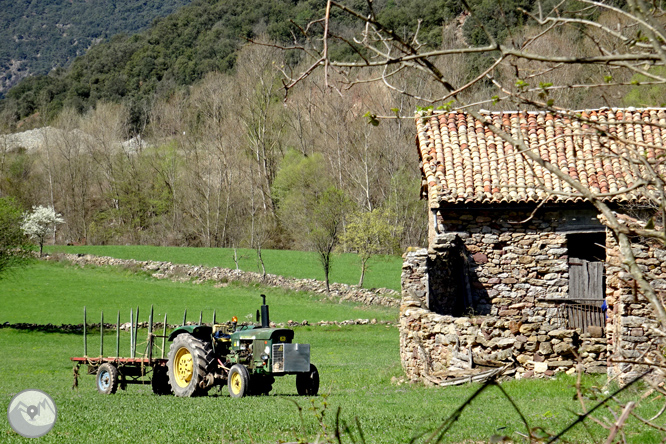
185	317
164	334
132	370
131	333
150	334
118	335
136	328
101	336
85	337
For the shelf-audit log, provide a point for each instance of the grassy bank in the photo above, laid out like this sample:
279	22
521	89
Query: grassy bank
47	292
384	271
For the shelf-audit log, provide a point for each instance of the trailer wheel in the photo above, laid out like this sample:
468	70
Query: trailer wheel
307	383
160	381
107	379
188	364
239	381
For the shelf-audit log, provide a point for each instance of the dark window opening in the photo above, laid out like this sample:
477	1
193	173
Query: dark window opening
587	246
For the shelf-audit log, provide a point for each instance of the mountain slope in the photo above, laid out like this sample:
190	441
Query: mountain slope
181	48
41	35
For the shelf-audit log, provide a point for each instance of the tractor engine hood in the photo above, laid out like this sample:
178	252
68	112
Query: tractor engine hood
273	334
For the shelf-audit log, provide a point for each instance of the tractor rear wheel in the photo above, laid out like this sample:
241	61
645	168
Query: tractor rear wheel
160	381
307	383
188	364
107	379
239	381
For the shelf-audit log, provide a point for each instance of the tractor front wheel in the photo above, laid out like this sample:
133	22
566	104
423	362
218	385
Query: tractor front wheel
307	383
188	364
239	381
107	379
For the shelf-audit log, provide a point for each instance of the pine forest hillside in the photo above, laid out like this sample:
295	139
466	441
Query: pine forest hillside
181	48
39	36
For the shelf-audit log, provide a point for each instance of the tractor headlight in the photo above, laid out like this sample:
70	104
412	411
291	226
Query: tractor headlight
267	350
264	357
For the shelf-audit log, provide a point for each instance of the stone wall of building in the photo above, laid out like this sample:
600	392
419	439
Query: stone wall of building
511	264
513	271
633	337
532	336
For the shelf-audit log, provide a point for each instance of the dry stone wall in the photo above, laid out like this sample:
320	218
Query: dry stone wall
167	270
510	264
633	334
510	313
535	340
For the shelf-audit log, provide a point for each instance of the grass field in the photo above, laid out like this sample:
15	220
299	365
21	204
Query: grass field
48	292
356	365
384	271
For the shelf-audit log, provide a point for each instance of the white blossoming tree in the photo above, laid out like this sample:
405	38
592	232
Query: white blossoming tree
40	223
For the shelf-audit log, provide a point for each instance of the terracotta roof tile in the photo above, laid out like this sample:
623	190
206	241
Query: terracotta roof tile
463	161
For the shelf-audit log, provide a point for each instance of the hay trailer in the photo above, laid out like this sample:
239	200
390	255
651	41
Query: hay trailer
115	371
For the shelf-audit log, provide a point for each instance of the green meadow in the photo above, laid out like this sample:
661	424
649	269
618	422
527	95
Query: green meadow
358	366
383	272
49	292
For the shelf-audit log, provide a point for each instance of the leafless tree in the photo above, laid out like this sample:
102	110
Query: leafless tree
74	172
261	114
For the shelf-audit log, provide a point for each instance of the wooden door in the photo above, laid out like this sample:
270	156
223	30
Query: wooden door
586	291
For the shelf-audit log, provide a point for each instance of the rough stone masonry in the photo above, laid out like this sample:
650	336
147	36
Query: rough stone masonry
489	293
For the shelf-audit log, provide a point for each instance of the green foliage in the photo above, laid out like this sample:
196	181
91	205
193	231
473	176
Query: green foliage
15	170
499	20
370	233
642	96
178	49
309	206
141	197
298	186
403	16
371	118
13	246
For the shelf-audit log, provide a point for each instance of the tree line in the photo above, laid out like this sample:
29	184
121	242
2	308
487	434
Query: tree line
182	48
228	163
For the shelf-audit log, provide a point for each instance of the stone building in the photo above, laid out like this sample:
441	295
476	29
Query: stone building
518	270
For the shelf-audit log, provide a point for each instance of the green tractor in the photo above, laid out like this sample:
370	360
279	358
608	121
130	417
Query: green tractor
246	358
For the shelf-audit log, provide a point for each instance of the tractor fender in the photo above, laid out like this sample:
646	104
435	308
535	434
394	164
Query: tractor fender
202	332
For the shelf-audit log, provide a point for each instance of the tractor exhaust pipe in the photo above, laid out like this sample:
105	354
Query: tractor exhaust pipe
265	321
